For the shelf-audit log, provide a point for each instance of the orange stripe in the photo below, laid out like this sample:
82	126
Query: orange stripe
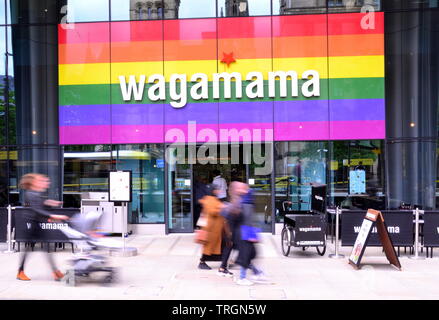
356	45
83	53
137	51
244	48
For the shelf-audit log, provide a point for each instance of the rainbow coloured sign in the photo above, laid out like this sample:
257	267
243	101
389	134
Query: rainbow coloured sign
338	93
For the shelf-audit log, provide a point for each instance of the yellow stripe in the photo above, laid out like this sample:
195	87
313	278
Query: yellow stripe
356	67
90	73
340	67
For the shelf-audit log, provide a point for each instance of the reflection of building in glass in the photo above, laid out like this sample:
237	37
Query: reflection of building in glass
152	10
292	6
235	8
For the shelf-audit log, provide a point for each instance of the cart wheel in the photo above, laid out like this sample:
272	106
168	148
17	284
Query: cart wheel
321	250
285	237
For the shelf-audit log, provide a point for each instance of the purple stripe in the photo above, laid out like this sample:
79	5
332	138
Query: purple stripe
301	110
85	134
246	112
137	114
358	109
85	115
199	112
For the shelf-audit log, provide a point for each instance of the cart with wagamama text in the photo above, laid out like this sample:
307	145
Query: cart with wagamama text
304	230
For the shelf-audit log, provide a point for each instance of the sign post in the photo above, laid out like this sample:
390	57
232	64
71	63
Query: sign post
120	190
416	256
9	231
373	218
336	255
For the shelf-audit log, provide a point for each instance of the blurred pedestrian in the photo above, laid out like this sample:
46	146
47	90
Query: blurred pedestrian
221	183
246	247
213	225
34	186
231	212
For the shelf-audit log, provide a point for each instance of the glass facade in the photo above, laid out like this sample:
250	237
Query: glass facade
55	122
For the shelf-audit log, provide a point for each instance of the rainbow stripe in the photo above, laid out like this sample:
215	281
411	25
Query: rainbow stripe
349	59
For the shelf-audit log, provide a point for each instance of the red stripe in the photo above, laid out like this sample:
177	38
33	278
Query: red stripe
137	31
355	23
249	27
228	28
84	32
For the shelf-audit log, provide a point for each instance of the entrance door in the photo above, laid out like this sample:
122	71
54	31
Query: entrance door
179	192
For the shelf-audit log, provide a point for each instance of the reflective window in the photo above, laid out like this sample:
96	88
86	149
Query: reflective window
2	12
352	5
243	8
3	176
286	7
297	166
349	157
190	9
121	10
3	84
124	10
87	11
146	162
9	89
85	170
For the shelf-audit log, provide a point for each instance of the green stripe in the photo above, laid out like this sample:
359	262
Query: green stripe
351	88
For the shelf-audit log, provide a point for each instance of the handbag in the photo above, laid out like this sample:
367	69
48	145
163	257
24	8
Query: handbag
250	233
201	236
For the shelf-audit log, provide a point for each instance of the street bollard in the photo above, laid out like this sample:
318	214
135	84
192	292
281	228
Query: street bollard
336	255
417	256
9	231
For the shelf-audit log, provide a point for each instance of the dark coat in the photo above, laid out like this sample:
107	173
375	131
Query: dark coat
38	210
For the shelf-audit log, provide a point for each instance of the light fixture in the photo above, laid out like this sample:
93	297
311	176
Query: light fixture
34	132
412	124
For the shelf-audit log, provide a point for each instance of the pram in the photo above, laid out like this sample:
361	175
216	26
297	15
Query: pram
82	232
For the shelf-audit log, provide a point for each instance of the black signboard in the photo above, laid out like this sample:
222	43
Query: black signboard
309	229
431	228
399	226
3	224
318	198
47	231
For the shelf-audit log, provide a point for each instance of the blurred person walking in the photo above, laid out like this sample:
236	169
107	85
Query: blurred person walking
221	183
213	225
34	186
231	213
246	246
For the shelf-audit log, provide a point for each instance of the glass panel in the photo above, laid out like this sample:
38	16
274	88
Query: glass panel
13	177
243	8
3	84
123	10
179	190
86	169
10	90
2	12
349	156
297	166
146	162
259	180
4	172
286	7
84	84
190	9
87	11
136	121
352	5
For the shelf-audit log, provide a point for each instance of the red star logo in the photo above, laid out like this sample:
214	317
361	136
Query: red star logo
228	58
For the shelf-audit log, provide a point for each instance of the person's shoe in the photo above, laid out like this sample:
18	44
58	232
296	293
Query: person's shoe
204	266
224	273
22	276
244	282
260	278
58	275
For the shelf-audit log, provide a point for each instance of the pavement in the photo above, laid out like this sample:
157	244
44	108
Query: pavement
166	268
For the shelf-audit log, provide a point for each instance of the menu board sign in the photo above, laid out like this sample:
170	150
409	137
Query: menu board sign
120	186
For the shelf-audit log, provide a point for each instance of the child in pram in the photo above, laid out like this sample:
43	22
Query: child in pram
83	232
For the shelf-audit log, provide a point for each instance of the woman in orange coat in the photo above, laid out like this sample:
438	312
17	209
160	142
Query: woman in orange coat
214	226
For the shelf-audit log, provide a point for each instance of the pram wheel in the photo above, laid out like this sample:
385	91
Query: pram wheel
321	250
